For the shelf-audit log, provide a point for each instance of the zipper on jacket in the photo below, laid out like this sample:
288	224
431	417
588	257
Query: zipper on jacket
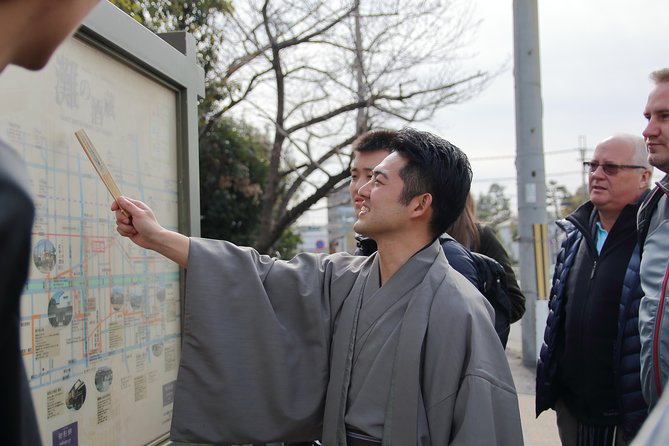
594	269
656	340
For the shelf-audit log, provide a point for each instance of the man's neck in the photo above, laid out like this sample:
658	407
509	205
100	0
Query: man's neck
394	252
607	219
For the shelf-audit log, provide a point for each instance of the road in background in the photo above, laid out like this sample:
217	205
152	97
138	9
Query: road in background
540	431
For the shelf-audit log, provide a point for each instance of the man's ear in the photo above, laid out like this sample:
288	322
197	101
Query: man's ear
645	179
421	204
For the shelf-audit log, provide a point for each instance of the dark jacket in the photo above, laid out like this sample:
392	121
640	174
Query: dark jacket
491	247
561	372
19	425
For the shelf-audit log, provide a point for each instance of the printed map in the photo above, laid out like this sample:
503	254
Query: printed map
100	317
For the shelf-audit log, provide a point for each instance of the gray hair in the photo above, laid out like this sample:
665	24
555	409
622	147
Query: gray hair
640	156
660	76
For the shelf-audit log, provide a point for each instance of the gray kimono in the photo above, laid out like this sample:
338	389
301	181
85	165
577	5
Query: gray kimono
305	349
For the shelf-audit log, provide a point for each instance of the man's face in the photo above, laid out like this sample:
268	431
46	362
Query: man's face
361	172
656	132
381	211
55	21
611	193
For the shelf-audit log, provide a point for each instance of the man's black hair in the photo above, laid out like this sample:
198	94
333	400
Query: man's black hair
374	140
437	167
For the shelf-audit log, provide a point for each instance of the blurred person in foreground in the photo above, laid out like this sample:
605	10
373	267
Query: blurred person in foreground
346	349
588	368
30	31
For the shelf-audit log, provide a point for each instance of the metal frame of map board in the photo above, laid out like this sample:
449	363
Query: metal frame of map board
110	30
113	31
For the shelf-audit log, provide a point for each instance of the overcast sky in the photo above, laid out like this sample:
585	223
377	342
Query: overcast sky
595	59
596	56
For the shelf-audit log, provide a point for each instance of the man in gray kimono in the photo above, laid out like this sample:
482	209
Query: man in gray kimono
395	349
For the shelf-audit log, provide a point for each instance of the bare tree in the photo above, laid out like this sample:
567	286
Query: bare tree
317	73
493	208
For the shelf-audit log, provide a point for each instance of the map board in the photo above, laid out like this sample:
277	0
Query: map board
100	317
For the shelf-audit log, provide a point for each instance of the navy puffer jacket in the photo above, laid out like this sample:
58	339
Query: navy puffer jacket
626	353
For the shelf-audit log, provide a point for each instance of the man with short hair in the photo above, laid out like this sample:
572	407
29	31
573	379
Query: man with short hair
653	224
589	363
30	31
369	149
392	349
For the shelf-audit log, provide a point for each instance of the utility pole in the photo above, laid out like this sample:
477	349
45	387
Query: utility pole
582	150
359	68
531	178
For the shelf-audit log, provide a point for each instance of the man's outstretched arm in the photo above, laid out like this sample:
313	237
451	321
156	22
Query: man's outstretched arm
145	231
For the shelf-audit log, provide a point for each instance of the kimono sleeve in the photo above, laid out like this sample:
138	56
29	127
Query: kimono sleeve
256	337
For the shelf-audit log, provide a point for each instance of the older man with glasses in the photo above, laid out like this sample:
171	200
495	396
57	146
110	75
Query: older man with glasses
588	369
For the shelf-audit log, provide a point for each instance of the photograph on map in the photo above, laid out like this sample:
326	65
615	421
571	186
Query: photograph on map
44	256
103	378
117	298
76	396
60	309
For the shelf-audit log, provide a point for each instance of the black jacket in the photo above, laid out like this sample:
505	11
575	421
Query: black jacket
19	425
491	247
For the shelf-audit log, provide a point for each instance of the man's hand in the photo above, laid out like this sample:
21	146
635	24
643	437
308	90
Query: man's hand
141	226
144	230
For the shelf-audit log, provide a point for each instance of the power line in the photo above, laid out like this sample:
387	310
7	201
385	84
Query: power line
506	179
493	180
501	157
492	158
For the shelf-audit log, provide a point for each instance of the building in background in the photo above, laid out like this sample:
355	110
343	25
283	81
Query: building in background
340	220
314	239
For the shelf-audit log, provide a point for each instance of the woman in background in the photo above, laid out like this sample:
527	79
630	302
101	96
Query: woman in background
482	239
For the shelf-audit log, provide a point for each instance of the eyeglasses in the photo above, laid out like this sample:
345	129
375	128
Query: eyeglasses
609	168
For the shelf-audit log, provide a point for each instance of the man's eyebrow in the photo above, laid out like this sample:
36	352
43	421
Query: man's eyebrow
364	169
383	173
662	110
